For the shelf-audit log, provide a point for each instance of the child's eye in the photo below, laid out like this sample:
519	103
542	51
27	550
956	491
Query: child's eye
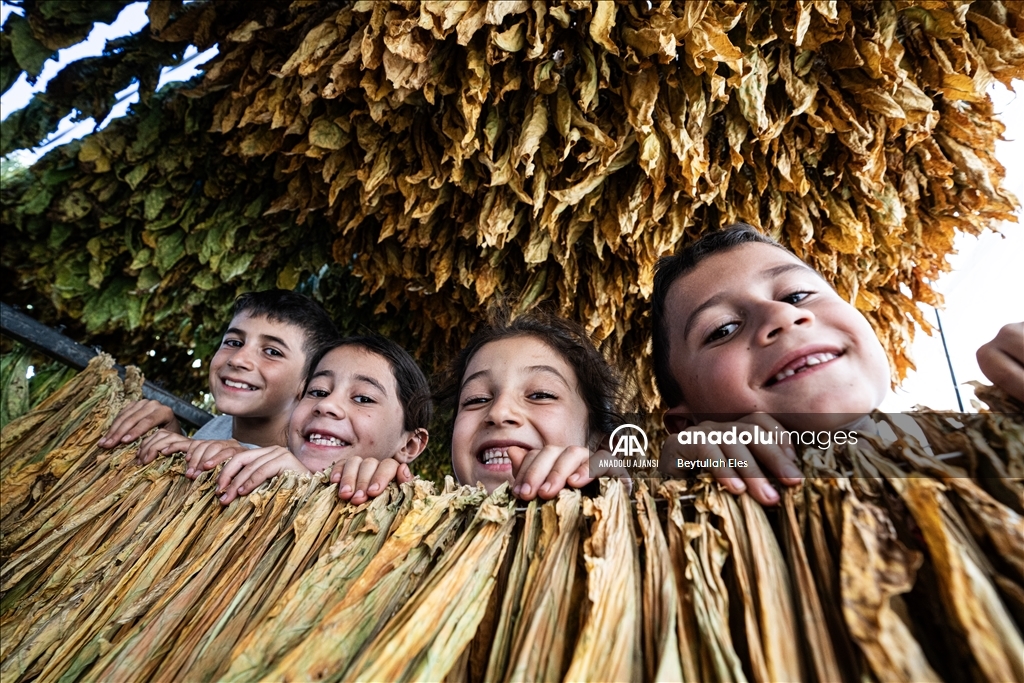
274	352
541	395
318	393
233	343
363	399
795	297
721	332
474	401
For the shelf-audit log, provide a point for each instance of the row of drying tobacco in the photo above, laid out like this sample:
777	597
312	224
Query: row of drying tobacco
911	569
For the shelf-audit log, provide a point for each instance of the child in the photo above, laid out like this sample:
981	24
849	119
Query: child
745	335
256	378
365	412
532	399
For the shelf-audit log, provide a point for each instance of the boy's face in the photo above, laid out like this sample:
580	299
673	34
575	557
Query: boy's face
515	392
258	370
351	408
753	329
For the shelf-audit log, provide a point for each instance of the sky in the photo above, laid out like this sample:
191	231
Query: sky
983	291
131	19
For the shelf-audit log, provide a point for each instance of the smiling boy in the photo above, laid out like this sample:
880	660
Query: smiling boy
746	334
256	378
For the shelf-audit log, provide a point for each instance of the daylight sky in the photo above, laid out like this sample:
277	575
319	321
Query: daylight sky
984	290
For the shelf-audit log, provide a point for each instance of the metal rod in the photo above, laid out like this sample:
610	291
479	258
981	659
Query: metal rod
24	329
949	362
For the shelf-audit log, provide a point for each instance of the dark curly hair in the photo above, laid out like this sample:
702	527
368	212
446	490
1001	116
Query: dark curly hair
599	383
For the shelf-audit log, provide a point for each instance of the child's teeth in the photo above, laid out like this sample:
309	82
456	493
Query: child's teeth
496	456
321	440
810	361
784	374
239	385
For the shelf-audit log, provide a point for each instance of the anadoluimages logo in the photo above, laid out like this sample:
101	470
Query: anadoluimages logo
627	445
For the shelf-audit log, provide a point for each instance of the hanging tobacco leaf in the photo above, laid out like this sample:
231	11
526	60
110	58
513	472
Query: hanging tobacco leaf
434	158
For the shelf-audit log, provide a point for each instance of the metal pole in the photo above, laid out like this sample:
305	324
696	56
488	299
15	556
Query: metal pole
24	329
949	362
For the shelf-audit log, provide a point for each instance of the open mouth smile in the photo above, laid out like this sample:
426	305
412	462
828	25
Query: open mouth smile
238	385
802	364
495	456
318	439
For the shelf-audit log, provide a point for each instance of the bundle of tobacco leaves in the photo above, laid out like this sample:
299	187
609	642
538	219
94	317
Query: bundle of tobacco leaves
892	561
63	428
410	162
27	378
541	600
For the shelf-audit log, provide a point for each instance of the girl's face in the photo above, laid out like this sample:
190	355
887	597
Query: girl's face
351	408
515	392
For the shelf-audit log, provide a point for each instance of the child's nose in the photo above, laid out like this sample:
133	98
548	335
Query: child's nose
241	359
503	410
328	408
780	317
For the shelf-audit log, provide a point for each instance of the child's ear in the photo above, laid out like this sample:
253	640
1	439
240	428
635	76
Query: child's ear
414	444
678	418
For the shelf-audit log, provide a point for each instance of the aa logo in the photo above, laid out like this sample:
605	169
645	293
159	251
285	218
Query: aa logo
626	444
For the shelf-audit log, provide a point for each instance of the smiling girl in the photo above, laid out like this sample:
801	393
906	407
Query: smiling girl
364	412
532	399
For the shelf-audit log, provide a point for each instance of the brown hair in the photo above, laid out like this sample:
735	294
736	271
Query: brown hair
291	308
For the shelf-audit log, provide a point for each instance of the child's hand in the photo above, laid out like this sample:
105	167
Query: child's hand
205	454
779	460
136	419
546	471
162	442
242	473
360	479
1002	360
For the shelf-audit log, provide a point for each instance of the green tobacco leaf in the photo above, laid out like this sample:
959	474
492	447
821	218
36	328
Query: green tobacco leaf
169	250
234	265
29	52
13	371
136	175
155	200
36	199
74	206
9	68
327	134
